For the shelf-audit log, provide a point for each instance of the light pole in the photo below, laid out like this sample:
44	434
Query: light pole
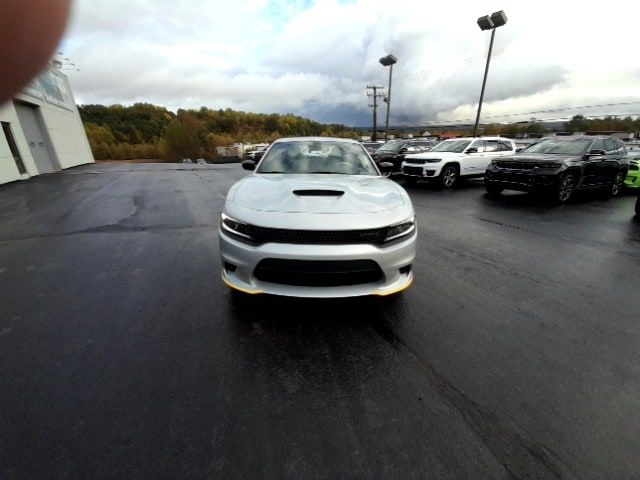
388	61
488	22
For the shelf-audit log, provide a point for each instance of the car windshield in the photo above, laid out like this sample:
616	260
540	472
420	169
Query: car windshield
390	146
455	146
560	146
313	156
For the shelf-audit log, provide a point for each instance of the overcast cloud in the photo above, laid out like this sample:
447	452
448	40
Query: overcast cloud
314	58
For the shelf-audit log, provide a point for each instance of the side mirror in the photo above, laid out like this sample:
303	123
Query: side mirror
249	165
596	152
471	150
403	150
385	167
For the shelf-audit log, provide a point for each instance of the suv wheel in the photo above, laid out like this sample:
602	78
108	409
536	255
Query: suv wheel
618	184
566	187
449	176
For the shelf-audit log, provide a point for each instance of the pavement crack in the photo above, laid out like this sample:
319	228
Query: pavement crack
112	228
521	457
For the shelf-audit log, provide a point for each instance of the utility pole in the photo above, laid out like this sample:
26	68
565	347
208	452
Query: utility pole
375	95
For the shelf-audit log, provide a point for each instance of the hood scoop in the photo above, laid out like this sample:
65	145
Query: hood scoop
318	193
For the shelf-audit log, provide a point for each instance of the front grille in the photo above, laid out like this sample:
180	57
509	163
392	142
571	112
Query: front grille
318	273
260	235
417	161
412	170
511	165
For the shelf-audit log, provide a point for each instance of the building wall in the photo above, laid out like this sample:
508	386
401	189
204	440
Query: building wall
8	168
67	139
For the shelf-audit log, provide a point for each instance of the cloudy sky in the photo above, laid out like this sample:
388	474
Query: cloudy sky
314	58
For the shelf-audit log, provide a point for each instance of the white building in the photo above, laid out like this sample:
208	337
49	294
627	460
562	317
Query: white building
41	130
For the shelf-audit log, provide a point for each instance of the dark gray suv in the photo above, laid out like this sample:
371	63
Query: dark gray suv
559	166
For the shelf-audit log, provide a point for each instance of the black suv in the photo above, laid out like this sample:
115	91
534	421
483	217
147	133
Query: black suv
394	151
559	166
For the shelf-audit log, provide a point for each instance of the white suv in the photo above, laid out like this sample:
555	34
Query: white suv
457	158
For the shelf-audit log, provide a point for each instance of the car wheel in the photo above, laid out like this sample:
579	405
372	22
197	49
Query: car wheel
493	190
566	187
618	184
449	176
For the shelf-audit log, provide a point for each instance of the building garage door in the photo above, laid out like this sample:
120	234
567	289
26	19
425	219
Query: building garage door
36	136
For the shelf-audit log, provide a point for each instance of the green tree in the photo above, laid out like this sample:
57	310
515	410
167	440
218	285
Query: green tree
181	140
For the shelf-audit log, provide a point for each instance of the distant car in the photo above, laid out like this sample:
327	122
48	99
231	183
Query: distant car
633	174
256	154
394	151
453	159
560	166
201	161
317	219
186	160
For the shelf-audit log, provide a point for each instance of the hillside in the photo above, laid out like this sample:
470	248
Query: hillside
143	130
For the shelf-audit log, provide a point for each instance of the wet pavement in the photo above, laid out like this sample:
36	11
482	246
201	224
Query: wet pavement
122	355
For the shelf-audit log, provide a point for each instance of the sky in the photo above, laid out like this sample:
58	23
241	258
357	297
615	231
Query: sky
315	58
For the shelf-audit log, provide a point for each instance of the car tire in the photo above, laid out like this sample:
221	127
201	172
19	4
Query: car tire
617	187
449	176
492	190
566	187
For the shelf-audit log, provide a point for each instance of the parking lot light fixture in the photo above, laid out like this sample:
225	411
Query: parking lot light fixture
488	22
388	61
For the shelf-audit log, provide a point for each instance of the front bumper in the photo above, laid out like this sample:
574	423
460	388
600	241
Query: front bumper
522	180
239	262
633	179
427	170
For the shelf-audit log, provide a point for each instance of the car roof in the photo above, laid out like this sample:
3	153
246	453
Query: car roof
480	138
579	137
317	139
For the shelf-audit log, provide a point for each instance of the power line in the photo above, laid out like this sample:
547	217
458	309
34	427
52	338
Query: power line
375	95
536	112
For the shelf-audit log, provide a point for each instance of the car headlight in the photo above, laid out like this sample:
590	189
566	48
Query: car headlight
235	227
400	230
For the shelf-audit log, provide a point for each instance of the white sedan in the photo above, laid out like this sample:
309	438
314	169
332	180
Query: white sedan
457	158
316	218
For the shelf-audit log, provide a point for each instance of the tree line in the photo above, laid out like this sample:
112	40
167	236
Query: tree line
143	130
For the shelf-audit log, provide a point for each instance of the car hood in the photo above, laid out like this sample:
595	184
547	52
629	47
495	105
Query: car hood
317	194
443	155
539	157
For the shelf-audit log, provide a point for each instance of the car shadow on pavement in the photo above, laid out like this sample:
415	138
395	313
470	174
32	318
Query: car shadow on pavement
316	347
434	186
522	199
286	311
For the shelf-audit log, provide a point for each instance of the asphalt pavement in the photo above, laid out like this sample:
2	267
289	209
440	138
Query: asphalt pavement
516	354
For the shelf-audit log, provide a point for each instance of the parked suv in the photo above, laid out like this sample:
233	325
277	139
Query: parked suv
560	166
394	151
451	160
